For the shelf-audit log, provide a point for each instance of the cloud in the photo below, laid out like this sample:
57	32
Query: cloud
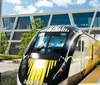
41	11
65	3
45	3
13	1
11	14
80	2
94	3
22	10
62	2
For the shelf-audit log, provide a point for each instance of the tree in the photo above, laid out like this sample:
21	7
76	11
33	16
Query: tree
26	37
3	42
37	23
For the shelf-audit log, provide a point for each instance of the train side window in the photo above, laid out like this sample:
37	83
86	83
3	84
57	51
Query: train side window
79	45
82	46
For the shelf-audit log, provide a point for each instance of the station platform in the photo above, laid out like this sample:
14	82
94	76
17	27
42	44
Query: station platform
93	78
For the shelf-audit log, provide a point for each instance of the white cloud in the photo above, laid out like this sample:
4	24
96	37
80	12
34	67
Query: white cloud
21	10
65	3
62	2
11	14
41	11
94	3
45	3
80	2
13	1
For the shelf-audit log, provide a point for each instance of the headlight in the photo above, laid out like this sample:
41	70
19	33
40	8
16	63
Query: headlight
38	64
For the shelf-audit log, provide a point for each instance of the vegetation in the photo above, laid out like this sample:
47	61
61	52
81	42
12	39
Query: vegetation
37	23
26	37
9	78
3	42
8	57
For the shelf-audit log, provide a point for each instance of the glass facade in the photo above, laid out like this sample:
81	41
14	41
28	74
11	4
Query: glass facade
8	34
44	18
97	20
8	23
17	35
23	23
83	19
60	19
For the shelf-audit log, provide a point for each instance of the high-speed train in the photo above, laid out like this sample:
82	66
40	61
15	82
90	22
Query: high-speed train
58	55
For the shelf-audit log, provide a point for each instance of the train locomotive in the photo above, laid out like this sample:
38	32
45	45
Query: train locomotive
58	55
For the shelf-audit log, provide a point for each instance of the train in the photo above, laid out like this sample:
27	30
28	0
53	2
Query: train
58	55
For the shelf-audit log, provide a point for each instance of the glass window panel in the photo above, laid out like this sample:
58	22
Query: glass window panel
17	35
8	34
8	23
23	23
41	42
44	18
83	19
97	20
60	19
57	41
14	48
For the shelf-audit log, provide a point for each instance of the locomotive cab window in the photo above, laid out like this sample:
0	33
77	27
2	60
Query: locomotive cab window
41	40
57	41
50	42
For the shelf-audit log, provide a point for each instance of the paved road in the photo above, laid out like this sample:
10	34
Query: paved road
8	66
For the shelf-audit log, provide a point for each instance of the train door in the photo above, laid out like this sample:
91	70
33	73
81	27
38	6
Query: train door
79	56
77	64
86	52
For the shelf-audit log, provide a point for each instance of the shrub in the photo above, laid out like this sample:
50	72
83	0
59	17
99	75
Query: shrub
9	57
1	58
3	42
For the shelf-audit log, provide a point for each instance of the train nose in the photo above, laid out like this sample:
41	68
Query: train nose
38	69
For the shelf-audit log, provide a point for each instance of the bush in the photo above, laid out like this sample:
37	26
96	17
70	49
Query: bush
8	57
1	58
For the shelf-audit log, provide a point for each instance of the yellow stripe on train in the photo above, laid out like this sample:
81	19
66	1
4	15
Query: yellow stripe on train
39	69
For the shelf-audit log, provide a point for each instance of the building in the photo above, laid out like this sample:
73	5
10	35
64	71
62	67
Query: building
0	12
16	25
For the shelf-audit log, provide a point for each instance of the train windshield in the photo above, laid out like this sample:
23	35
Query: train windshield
50	42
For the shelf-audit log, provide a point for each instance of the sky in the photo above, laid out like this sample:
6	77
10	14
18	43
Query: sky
13	7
